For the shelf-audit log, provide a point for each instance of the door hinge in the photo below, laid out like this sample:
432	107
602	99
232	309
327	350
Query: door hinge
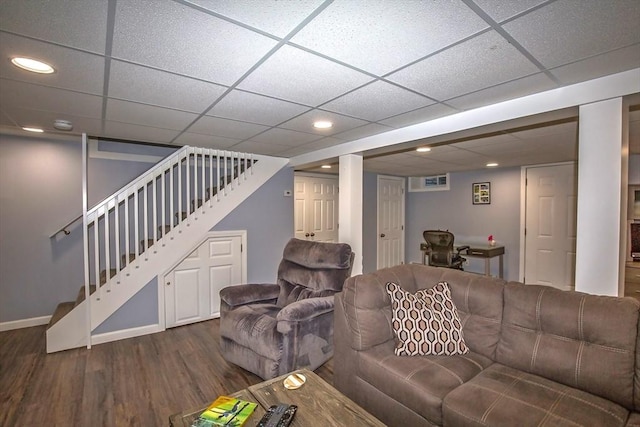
241	248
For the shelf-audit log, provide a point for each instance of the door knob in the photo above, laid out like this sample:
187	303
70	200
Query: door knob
382	235
313	234
168	283
306	234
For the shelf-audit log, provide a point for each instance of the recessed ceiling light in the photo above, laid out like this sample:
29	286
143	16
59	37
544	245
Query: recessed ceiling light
30	129
423	149
322	124
32	65
492	165
326	166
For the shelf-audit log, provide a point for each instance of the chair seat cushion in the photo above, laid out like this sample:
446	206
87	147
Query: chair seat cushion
503	396
419	382
254	326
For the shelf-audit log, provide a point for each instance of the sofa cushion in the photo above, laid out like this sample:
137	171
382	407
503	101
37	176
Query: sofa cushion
477	298
583	341
503	396
419	382
425	323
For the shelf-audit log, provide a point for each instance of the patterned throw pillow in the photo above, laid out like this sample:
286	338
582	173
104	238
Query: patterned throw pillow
427	322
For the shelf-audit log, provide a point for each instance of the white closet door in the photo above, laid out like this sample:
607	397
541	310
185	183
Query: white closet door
316	208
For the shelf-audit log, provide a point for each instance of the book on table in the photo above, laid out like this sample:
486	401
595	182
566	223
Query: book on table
226	411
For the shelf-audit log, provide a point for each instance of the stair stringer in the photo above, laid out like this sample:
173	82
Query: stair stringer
174	246
70	331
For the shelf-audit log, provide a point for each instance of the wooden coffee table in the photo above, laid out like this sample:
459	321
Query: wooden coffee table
319	404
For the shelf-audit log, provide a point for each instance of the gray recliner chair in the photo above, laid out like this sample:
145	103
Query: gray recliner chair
272	329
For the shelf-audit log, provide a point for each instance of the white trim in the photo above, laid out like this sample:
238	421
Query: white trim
24	323
125	333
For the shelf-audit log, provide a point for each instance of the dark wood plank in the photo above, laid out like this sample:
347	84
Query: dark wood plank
135	382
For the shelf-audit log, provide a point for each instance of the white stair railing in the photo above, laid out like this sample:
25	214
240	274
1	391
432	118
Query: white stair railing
128	225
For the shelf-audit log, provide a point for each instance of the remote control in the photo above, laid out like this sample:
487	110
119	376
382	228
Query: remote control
278	416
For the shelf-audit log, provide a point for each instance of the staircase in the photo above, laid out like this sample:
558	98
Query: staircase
149	225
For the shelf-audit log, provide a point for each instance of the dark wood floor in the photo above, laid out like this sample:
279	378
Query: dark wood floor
134	382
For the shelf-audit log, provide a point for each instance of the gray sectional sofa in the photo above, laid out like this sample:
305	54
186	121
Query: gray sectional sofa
538	356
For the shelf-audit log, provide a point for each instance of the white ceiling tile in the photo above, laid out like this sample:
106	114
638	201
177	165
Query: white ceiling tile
133	132
377	101
260	148
568	30
304	123
199	44
140	84
82	72
34	97
501	10
295	75
207	141
419	116
226	128
483	61
601	65
274	17
248	107
503	92
363	131
49	20
284	137
44	120
147	115
382	36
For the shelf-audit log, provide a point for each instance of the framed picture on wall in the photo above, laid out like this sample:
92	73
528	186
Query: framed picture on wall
481	192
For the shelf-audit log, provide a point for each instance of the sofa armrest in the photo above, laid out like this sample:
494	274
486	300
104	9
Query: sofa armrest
306	309
237	295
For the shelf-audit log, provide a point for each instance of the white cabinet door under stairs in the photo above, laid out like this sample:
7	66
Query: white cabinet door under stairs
192	288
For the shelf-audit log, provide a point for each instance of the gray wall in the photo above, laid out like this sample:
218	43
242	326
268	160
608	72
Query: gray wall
267	215
452	210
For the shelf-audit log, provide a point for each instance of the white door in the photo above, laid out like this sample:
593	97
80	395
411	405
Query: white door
390	221
550	226
316	208
192	288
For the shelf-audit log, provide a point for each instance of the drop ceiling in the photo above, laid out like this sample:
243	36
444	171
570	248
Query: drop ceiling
253	75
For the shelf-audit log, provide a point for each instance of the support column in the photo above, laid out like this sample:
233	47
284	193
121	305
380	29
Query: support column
350	209
603	156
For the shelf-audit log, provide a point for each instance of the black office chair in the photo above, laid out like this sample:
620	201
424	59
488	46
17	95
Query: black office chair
440	251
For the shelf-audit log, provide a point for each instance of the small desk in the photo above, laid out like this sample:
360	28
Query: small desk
479	251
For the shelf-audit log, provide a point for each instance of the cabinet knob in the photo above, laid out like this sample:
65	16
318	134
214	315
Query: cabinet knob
168	283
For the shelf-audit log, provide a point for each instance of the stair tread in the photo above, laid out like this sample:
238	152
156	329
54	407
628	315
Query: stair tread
61	310
81	295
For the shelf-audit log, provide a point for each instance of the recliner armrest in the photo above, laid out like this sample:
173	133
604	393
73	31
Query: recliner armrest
306	309
250	293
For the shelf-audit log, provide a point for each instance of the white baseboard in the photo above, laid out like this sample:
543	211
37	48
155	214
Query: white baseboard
125	333
24	323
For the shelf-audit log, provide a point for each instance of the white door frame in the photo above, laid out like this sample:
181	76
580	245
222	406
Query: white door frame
523	209
215	234
403	231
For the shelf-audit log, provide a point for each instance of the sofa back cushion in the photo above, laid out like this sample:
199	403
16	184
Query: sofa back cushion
584	341
478	299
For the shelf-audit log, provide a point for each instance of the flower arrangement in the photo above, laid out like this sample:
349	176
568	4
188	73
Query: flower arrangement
491	240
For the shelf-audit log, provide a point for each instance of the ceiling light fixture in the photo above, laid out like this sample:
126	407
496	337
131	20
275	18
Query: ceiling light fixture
31	129
60	124
326	166
322	124
423	149
492	165
32	65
